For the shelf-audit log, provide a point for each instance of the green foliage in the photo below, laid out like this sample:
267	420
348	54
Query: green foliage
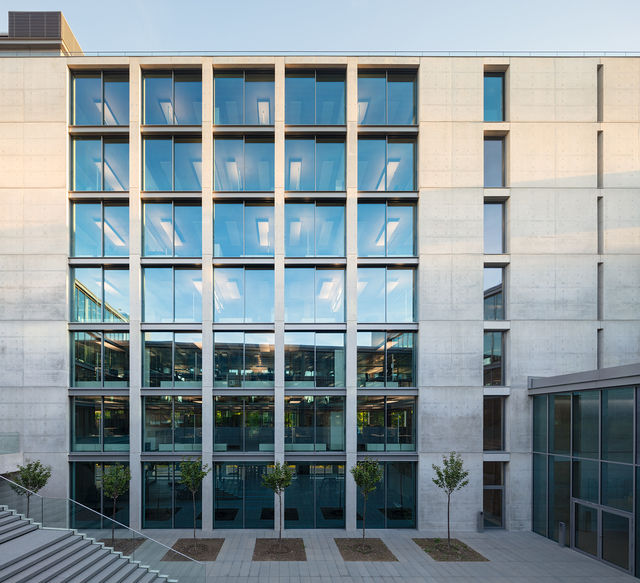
278	479
452	476
33	476
367	474
115	481
192	472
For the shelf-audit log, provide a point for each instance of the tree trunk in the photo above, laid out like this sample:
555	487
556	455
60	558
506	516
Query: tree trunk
193	497
113	524
364	517
449	520
281	517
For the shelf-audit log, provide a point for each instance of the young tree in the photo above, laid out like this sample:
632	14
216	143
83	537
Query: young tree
33	476
367	474
115	483
450	478
192	472
278	480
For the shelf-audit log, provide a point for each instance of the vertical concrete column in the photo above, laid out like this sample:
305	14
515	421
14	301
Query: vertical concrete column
351	283
207	289
135	295
279	272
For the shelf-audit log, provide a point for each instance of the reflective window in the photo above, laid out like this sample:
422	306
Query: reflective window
314	423
99	424
243	164
493	494
615	539
243	97
385	295
314	359
493	358
100	98
559	491
493	424
313	295
100	295
172	229
100	359
100	164
172	359
166	502
559	423
617	425
386	230
172	295
393	503
315	97
586	528
493	162
586	424
585	480
243	295
494	96
100	230
539	518
242	229
386	164
540	423
243	359
314	230
172	423
240	500
493	293
386	359
172	164
494	241
243	424
314	164
172	97
386	423
617	485
386	97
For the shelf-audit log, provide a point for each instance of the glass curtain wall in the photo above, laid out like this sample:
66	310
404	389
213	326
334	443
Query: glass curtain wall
243	423
314	359
243	359
386	359
100	359
315	97
172	359
172	97
243	97
172	423
100	98
314	423
314	230
99	229
99	424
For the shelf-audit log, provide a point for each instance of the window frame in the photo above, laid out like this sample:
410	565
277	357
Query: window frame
245	204
292	426
172	72
387	380
243	380
341	72
173	424
174	386
75	73
113	139
101	333
244	72
245	137
103	304
186	139
173	269
409	71
243	426
72	432
393	139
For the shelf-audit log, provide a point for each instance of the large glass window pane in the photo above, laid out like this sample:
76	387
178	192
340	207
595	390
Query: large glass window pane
540	423
258	230
228	498
376	504
158	359
329	424
400	424
300	95
116	359
329	230
371	229
158	422
188	231
330	360
259	304
330	165
158	229
372	87
87	294
228	294
87	230
493	424
493	364
399	300
188	359
299	359
188	295
586	418
493	490
330	97
300	164
187	433
188	165
559	494
158	99
401	98
228	359
116	424
228	233
188	97
400	165
617	486
258	430
493	293
87	99
116	295
85	429
85	488
228	424
299	423
298	288
493	162
585	480
615	539
258	98
372	164
158	164
329	295
371	294
400	230
400	484
329	495
228	89
158	294
371	359
258	164
371	423
400	359
494	97
559	423
158	495
87	164
299	511
258	360
116	231
229	164
617	425
116	165
116	99
494	228
540	494
299	231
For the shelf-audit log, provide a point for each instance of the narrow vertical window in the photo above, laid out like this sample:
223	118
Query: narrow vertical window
494	175
494	293
494	239
494	96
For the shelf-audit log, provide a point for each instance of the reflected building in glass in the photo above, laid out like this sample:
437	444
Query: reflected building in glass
320	259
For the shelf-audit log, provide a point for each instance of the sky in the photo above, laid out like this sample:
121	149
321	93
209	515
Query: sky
346	25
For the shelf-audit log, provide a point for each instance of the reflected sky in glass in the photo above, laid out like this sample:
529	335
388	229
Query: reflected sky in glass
400	165
258	230
371	294
371	229
371	98
228	89
326	286
329	230
116	165
401	98
259	301
157	232
87	159
298	291
400	295
258	98
329	284
188	230
158	171
188	97
243	164
87	294
400	230
330	165
385	295
232	304
158	294
87	94
116	99
116	295
87	230
300	89
391	236
330	97
116	231
188	165
299	164
258	164
315	97
299	234
236	224
493	162
158	99
229	164
493	228
494	97
188	295
371	165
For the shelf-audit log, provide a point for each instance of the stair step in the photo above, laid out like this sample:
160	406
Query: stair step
85	557
80	567
4	512
8	519
23	528
16	550
130	573
151	577
15	522
102	570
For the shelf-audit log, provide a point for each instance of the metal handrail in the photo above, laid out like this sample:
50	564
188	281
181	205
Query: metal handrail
103	516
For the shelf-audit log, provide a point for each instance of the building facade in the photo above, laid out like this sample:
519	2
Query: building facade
309	259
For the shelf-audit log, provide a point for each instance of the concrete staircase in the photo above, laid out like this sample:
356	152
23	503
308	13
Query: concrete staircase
31	554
